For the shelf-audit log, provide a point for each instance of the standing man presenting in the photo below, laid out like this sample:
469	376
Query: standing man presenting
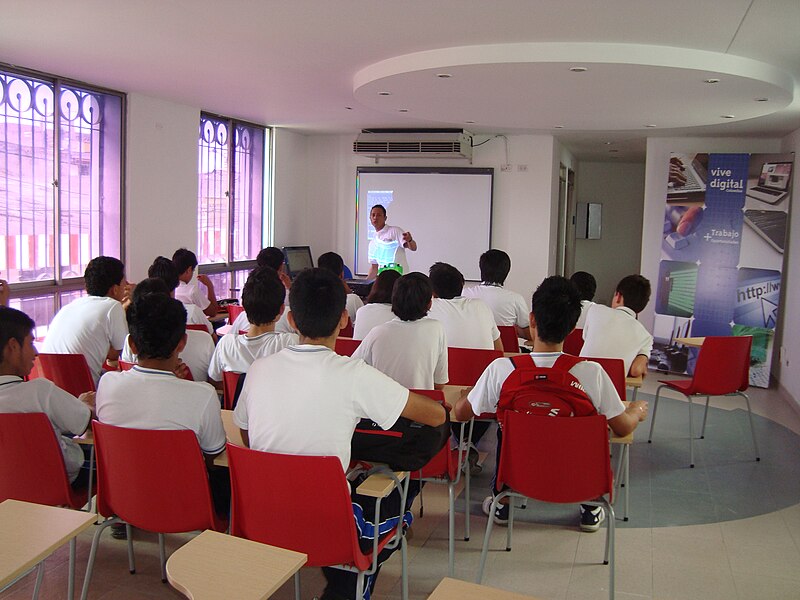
389	244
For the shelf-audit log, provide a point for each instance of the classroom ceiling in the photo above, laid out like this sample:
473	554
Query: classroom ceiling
321	66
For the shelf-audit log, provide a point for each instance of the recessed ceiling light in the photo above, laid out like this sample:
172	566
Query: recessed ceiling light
651	125
402	110
469	122
609	143
558	127
578	69
711	80
762	99
348	107
444	75
728	116
384	93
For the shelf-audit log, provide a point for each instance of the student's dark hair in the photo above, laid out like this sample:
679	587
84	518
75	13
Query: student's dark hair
556	307
381	292
156	324
332	262
14	324
447	281
184	259
381	206
635	292
495	265
411	296
263	295
586	284
270	257
317	299
151	285
165	269
102	273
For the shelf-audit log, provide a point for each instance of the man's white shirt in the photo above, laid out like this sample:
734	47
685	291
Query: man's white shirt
468	322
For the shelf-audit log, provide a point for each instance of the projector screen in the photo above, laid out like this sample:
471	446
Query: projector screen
447	211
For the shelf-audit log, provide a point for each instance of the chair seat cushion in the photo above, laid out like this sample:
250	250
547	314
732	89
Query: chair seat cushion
681	386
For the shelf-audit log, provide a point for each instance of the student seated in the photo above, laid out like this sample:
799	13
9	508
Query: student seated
556	307
306	399
195	357
334	263
93	325
378	308
509	308
273	258
615	332
165	269
587	286
67	414
150	396
189	291
263	299
410	349
468	322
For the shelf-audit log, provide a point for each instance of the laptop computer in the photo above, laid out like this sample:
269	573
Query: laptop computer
773	183
770	225
696	173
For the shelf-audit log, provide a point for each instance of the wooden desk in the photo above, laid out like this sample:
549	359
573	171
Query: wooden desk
215	566
455	589
232	432
692	342
635	383
29	533
379	485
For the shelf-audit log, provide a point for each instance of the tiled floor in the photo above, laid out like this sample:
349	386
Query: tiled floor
751	558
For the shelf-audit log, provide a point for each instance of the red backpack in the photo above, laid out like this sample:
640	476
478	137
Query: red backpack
552	392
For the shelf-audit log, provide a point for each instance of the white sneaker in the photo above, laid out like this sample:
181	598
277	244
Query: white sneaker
591	517
500	515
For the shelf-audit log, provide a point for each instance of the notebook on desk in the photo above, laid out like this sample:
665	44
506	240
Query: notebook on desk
773	183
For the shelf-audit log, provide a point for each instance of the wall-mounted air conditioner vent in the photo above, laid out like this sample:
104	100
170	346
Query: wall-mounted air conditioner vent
410	144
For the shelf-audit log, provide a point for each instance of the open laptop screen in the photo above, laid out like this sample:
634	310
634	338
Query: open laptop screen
298	258
775	175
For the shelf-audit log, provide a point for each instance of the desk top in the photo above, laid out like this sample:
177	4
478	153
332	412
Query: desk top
456	589
379	485
31	532
694	342
214	565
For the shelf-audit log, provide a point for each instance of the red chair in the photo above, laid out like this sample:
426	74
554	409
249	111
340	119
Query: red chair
509	338
234	310
155	480
347	330
229	382
554	459
722	369
126	366
615	368
465	365
574	342
346	346
445	468
32	469
317	518
198	327
68	371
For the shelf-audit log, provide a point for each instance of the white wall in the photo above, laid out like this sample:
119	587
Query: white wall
619	187
789	374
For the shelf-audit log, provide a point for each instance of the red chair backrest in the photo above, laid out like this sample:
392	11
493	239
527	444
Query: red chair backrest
442	464
347	330
234	310
126	366
153	479
555	459
574	342
197	327
723	366
229	382
68	371
31	463
465	365
346	346
300	503
508	336
615	367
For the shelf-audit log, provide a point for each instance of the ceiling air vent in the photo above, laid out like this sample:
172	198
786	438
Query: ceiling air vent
447	143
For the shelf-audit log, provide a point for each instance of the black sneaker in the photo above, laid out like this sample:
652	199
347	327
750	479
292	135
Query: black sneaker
591	517
472	462
118	532
500	514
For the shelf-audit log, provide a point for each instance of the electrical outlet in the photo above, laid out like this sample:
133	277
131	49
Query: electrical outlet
522	168
785	356
505	168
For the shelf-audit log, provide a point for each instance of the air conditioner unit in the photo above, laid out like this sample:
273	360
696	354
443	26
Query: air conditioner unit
394	143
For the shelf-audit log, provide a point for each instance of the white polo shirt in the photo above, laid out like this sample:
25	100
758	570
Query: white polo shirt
89	325
585	305
413	353
369	316
388	248
190	293
595	381
468	322
150	399
195	316
615	333
352	304
67	414
308	400
240	323
197	353
508	308
237	352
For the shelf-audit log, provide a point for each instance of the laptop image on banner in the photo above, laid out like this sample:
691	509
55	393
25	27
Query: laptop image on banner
773	183
770	225
696	173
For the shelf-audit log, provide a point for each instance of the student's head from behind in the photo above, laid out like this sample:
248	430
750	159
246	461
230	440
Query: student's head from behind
381	292
151	285
495	265
263	296
332	262
377	216
164	269
186	262
586	284
157	325
105	276
16	342
633	292
447	281
412	295
271	257
317	300
556	308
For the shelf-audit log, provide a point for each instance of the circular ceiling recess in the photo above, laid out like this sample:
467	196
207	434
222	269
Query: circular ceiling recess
580	86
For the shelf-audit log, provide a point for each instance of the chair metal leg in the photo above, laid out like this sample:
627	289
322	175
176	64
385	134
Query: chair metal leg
691	434
297	585
421	501
467	505
131	559
752	429
39	577
489	525
404	569
71	574
627	451
360	586
609	560
451	536
162	555
653	414
705	417
93	554
510	522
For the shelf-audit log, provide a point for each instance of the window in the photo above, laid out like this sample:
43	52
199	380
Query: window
232	169
60	186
